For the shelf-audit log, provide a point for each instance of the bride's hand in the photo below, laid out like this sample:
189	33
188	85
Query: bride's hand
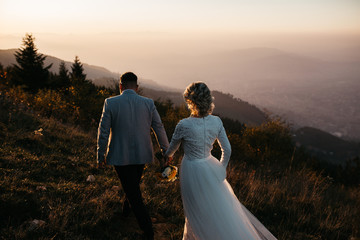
168	160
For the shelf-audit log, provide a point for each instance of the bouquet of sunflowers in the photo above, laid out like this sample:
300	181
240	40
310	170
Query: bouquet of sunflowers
168	174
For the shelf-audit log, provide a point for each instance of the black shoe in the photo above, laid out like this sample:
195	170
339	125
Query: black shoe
126	210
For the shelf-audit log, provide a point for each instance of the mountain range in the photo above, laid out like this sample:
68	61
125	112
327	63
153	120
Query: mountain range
225	105
306	91
325	145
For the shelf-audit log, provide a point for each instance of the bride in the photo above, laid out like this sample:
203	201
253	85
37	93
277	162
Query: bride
212	210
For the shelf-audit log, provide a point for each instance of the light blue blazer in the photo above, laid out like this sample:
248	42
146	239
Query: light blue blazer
124	133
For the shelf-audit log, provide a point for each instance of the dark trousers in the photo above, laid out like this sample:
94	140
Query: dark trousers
130	176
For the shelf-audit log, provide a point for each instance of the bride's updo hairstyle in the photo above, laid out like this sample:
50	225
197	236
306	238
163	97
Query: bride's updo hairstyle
199	100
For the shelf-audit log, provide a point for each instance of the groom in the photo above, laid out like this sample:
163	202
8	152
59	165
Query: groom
124	140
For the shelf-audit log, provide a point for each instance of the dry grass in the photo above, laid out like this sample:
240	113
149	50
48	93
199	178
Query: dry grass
43	176
299	205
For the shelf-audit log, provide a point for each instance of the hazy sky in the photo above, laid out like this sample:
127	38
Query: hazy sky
126	35
75	16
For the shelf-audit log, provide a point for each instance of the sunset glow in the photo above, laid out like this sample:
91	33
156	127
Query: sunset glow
112	16
122	35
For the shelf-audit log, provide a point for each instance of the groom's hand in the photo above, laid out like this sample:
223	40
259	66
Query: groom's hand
162	162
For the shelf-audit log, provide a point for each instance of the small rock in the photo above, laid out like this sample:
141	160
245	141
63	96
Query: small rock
39	132
115	188
41	188
90	178
35	224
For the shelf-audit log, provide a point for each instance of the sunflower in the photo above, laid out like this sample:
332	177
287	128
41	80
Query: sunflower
168	174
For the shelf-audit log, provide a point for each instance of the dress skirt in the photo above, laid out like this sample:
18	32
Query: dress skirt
212	210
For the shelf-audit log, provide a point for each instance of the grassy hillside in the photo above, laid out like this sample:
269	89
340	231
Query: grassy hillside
44	165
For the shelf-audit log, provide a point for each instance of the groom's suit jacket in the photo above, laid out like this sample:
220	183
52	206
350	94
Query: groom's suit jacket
124	133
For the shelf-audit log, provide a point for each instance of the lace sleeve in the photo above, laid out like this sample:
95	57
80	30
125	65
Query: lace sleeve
225	146
175	140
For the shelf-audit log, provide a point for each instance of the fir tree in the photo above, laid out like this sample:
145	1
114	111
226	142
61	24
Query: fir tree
30	70
77	72
64	79
84	92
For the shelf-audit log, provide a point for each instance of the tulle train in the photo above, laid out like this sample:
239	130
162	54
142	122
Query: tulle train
212	210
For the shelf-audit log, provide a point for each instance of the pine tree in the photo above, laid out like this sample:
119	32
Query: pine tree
64	79
83	92
30	70
77	72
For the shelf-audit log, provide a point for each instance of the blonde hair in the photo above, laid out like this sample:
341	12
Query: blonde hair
199	100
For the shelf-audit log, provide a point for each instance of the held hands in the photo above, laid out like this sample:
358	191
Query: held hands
165	161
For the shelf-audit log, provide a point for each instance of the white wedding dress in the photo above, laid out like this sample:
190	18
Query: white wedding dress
212	210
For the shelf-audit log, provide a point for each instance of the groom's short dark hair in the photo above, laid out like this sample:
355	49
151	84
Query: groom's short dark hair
128	79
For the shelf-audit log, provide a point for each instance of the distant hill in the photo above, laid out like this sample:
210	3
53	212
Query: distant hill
228	106
305	90
225	105
326	146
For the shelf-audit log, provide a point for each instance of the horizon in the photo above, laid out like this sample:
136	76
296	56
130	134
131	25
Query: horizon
149	54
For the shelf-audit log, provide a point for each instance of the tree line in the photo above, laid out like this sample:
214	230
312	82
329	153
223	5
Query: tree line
67	95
